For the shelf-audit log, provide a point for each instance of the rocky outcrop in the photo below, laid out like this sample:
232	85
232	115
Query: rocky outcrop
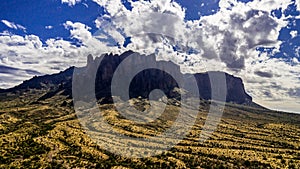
147	80
235	88
141	85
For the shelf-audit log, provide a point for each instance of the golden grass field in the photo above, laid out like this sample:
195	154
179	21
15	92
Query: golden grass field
47	134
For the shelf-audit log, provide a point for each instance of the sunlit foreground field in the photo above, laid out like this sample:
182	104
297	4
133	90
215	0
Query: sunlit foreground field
48	134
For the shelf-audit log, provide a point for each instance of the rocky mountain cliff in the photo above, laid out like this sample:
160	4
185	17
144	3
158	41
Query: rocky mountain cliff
142	84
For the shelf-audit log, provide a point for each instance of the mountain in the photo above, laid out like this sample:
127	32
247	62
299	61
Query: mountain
39	127
142	83
44	82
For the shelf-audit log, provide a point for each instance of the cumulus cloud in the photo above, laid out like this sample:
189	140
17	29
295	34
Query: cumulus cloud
19	52
241	28
225	41
12	25
270	82
148	24
294	33
71	2
230	35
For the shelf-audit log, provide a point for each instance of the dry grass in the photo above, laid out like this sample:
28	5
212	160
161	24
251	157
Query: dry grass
47	135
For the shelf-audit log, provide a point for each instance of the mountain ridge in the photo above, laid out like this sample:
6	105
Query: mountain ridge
142	84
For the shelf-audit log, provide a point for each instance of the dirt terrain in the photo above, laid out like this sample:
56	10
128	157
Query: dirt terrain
48	134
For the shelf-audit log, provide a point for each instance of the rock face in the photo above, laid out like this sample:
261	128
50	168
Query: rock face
149	79
101	71
235	88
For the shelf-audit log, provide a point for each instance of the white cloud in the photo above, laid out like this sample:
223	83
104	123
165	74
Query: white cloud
294	33
297	2
71	2
13	25
275	82
268	81
78	30
86	5
297	52
49	27
225	41
10	76
226	35
238	28
29	52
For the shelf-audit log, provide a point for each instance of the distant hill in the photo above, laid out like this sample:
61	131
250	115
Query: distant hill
45	82
142	84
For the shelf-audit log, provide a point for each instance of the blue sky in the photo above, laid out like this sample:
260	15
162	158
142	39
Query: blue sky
35	16
44	37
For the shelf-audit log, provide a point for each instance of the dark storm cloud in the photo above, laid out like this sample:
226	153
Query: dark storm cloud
294	92
30	62
16	71
268	94
264	74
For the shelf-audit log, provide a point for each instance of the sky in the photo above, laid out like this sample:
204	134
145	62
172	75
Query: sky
257	40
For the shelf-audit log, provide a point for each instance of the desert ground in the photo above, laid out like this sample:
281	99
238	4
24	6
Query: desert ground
47	134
